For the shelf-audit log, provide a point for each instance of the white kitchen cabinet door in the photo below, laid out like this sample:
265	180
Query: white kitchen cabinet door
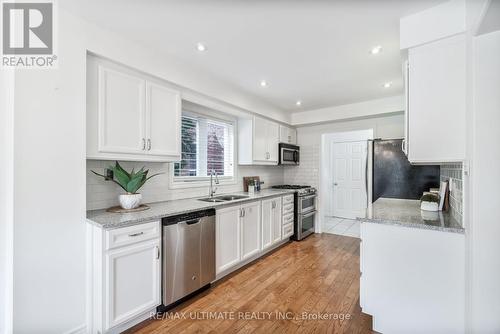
131	116
277	220
271	222
163	121
273	138
436	123
132	281
258	141
227	241
288	135
250	230
267	223
260	146
121	112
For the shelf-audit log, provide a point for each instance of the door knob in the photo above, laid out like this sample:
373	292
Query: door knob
335	184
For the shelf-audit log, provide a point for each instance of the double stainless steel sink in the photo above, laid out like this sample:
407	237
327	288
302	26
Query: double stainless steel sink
223	198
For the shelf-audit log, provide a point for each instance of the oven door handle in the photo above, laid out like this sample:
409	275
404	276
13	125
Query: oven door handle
309	214
307	197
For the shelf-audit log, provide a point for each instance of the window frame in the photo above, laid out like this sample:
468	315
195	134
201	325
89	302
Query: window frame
176	182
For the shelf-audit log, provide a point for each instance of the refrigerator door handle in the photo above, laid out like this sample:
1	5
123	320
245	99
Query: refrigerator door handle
369	142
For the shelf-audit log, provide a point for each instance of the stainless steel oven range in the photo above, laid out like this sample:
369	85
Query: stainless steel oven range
305	210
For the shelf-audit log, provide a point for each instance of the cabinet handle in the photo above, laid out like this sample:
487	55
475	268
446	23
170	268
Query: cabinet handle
241	212
157	252
244	212
143	144
136	234
149	144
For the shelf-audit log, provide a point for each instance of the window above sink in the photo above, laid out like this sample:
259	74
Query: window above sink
207	144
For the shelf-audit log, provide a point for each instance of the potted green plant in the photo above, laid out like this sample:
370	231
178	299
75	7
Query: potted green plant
131	182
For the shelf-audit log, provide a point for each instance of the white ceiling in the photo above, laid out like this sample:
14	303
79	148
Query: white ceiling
314	51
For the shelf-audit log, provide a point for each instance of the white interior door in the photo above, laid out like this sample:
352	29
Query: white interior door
348	196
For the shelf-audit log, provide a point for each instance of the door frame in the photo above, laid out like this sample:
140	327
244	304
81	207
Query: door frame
339	137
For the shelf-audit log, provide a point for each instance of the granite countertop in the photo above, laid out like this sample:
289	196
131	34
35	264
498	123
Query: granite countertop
158	210
405	212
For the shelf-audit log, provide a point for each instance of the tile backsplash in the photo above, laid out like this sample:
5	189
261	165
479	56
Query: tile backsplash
103	194
453	173
307	173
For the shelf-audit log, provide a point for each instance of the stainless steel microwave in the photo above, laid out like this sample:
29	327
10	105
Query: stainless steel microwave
289	154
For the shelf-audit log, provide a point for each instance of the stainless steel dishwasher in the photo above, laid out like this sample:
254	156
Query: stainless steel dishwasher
188	247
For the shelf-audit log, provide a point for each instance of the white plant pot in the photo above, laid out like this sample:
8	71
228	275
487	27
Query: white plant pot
130	201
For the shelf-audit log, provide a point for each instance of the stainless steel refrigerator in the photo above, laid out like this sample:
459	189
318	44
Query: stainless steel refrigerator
394	176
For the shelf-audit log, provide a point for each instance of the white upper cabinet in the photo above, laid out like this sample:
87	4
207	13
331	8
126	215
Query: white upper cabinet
288	135
273	134
163	128
120	120
436	101
130	116
258	140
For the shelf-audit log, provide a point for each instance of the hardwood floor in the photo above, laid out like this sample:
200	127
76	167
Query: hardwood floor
318	276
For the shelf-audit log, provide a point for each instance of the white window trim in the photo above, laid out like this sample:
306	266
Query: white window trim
202	181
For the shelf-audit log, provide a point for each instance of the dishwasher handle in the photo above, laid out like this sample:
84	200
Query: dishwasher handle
188	218
192	222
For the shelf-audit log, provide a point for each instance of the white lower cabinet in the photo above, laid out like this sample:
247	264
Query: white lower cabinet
277	220
271	222
237	235
412	278
126	275
244	232
132	278
227	240
250	230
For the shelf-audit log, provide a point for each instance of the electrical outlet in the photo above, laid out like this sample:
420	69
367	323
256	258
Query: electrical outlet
109	174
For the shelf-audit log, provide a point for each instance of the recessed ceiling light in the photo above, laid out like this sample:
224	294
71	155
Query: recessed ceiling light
376	50
263	83
388	84
298	103
201	47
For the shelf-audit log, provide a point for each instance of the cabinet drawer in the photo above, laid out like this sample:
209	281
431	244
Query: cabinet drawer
288	219
287	231
287	199
287	208
132	234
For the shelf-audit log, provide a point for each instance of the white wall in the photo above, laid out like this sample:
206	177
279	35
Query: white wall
49	198
6	197
485	219
371	108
